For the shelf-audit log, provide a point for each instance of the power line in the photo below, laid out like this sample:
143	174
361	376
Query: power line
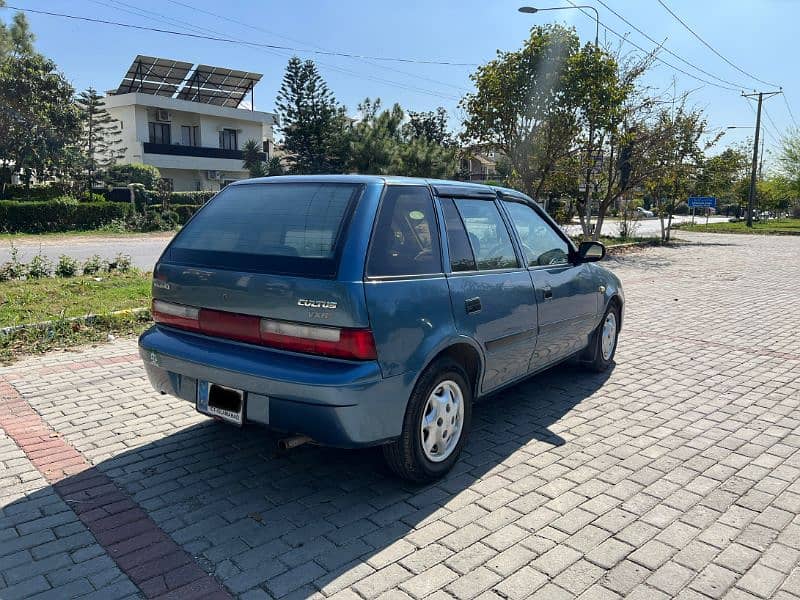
657	58
789	108
667	50
775	127
273	33
710	47
234	41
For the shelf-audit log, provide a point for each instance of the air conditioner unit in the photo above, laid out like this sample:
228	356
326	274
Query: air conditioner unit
162	115
213	174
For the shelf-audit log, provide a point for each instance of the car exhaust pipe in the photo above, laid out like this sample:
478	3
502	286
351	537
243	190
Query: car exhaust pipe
293	442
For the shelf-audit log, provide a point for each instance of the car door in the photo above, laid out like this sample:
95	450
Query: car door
490	291
566	293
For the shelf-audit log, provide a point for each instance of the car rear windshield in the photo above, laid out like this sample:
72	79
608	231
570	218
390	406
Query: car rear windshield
285	228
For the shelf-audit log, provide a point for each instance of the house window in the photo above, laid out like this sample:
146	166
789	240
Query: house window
190	135
227	139
160	133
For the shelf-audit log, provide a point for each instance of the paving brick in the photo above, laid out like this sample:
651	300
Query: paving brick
682	470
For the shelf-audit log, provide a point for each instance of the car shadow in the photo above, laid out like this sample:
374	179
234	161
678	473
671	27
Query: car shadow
248	512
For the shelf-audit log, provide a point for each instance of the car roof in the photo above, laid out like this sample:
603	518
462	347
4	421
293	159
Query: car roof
383	179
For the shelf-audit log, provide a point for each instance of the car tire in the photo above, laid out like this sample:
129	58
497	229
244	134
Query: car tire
603	343
441	390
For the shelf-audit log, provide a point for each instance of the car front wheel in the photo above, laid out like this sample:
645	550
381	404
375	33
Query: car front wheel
603	343
435	426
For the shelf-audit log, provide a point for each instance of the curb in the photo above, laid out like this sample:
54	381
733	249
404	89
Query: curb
90	318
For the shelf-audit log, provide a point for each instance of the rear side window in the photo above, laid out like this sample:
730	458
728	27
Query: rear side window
406	239
488	236
292	228
461	257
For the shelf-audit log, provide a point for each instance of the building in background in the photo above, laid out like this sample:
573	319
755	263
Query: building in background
480	163
188	122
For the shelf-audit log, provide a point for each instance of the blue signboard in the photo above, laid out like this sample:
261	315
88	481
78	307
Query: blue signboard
702	202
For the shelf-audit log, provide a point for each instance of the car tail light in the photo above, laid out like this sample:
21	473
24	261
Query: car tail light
355	344
186	317
336	342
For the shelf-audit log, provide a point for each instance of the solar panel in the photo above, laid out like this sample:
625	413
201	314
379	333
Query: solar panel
155	76
218	85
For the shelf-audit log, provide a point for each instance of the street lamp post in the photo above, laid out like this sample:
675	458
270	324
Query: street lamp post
589	158
532	10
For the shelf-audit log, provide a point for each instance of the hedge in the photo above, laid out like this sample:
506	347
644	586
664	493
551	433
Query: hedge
150	197
36	193
58	215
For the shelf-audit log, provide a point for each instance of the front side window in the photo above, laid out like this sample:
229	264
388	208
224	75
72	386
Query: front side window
487	233
406	240
541	245
159	133
227	139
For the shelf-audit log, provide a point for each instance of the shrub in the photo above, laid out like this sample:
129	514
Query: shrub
681	209
58	215
184	211
93	265
796	211
122	175
66	267
121	263
193	198
36	193
14	268
40	266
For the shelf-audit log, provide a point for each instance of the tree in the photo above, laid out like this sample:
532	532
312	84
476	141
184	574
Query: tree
16	39
677	158
384	142
517	95
375	139
38	118
252	159
101	142
720	173
601	87
789	160
430	126
138	173
314	126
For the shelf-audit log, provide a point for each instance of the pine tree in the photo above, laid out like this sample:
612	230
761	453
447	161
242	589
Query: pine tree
16	38
102	135
314	126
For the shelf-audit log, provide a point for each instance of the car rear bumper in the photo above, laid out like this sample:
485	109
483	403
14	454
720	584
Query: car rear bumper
335	402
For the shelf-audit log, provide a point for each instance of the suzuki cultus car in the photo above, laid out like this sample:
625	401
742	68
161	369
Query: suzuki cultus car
355	310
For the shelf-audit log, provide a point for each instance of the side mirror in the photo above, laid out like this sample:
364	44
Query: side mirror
591	251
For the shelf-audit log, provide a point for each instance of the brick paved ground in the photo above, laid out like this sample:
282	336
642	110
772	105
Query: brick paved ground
677	474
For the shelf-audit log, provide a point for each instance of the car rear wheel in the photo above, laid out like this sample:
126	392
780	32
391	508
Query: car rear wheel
435	426
604	340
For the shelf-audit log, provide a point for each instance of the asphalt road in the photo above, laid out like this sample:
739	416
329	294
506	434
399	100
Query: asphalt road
145	249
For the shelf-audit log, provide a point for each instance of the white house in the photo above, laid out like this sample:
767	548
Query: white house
190	126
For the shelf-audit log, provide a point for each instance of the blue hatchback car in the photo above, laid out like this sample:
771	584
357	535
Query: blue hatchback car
362	310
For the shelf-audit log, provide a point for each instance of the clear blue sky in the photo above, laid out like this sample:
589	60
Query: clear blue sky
760	36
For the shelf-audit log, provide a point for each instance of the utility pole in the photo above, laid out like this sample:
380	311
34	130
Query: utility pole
751	197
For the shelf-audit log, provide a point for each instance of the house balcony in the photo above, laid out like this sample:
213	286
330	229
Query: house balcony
196	151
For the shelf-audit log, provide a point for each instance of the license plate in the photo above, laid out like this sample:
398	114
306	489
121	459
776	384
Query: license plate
221	402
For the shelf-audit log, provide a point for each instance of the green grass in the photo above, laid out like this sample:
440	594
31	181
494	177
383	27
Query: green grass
58	301
773	227
35	300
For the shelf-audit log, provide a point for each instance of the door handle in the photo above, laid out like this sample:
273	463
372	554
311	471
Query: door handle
473	305
548	292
